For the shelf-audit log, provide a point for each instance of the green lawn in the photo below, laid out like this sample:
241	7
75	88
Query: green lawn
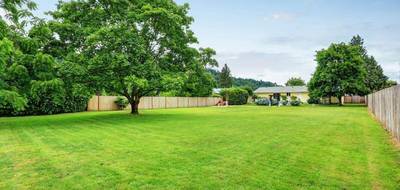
244	147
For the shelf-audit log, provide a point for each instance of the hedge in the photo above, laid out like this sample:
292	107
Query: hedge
235	96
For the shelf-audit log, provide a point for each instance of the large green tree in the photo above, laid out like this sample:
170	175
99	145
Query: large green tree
198	81
295	81
225	79
340	70
375	79
134	48
32	80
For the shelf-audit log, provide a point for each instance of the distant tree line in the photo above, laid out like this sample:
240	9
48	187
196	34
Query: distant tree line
295	81
238	82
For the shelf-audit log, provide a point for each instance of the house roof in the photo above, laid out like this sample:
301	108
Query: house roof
282	89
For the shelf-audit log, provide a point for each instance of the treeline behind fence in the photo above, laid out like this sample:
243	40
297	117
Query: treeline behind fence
385	105
106	103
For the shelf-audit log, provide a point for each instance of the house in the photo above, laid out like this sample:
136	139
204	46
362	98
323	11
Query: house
300	92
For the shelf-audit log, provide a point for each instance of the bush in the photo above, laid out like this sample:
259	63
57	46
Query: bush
11	103
235	96
262	102
314	100
284	97
284	102
47	97
293	98
121	102
274	102
295	103
77	98
249	90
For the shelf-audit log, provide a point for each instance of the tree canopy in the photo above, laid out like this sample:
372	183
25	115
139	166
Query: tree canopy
346	69
32	81
340	70
374	80
295	81
134	48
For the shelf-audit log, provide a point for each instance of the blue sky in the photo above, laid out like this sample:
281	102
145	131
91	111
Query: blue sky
276	39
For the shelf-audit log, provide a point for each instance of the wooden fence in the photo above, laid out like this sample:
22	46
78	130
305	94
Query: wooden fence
385	105
354	100
345	100
106	103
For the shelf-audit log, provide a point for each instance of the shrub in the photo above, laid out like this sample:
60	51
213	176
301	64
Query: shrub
249	90
121	102
77	98
314	100
262	102
274	102
11	103
47	97
284	102
293	98
284	97
235	96
295	103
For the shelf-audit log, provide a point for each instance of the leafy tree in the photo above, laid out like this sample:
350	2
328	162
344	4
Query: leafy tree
18	12
249	90
225	77
375	80
11	101
31	80
294	81
198	81
133	48
340	70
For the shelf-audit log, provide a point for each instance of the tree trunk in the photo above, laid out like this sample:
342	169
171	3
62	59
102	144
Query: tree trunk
134	107
340	101
330	99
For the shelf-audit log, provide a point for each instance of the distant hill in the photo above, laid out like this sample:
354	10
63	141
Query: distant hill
241	82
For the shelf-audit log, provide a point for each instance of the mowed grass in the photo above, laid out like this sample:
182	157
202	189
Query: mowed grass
245	147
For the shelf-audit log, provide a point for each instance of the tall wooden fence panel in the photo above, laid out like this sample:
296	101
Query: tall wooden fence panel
106	103
354	100
385	105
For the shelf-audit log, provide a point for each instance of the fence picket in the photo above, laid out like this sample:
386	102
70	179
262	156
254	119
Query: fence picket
385	106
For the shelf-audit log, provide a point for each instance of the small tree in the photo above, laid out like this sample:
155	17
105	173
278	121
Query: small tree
294	81
225	77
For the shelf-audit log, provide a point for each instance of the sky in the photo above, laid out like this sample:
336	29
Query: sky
274	40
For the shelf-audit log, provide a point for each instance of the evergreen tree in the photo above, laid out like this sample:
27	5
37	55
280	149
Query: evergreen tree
374	80
225	78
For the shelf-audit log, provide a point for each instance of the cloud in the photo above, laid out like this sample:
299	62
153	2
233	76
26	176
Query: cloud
282	16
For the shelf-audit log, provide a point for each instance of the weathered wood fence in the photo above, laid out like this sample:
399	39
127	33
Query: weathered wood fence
354	100
385	105
106	103
345	100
